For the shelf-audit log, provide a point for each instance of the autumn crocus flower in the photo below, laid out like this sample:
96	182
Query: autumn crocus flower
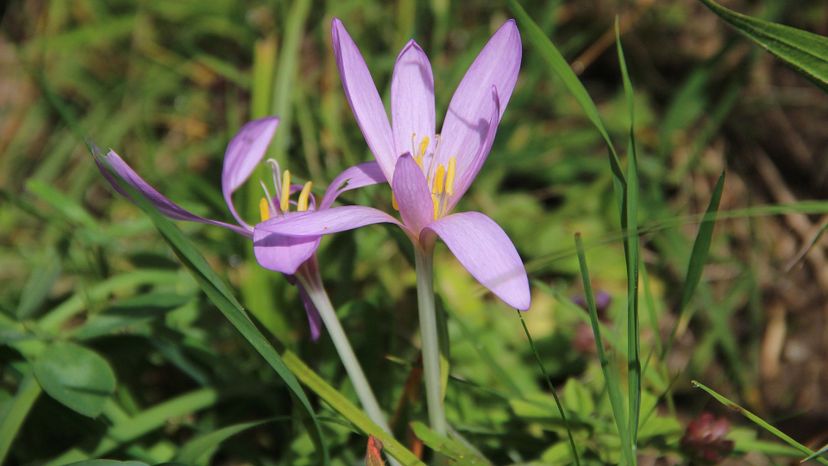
294	257
430	172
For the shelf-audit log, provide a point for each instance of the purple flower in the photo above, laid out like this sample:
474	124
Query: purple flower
289	255
430	172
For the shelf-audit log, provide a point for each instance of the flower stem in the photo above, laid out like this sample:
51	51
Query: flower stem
423	258
310	279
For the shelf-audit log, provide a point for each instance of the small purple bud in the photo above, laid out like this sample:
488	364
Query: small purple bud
602	303
705	438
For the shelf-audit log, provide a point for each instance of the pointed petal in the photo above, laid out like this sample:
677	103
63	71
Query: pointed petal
469	164
412	100
413	196
358	176
363	97
243	153
466	122
325	222
314	319
164	205
283	253
487	253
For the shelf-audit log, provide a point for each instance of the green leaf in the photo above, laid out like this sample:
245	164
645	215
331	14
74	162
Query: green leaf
129	313
40	282
804	51
199	450
455	451
75	376
348	410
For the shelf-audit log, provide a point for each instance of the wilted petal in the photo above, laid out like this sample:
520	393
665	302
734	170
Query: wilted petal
487	253
413	196
164	205
358	176
283	253
314	319
243	154
470	163
412	100
466	122
325	222
363	97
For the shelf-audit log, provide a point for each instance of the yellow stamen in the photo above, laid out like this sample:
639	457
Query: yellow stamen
304	197
439	180
436	202
422	151
394	202
264	210
284	200
452	167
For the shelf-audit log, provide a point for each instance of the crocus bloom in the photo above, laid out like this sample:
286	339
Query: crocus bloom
289	255
430	172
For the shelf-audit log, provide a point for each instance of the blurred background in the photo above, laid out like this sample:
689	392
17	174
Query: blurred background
166	85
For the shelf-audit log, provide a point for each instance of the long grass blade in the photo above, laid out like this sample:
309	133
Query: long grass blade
220	294
16	411
759	421
572	447
610	376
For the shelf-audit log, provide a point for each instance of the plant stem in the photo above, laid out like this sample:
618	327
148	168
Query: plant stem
310	279
423	259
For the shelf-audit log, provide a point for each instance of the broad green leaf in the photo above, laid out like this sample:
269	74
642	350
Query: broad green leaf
199	450
75	376
129	313
805	51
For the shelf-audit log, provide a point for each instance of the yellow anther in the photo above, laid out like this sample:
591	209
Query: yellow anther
439	180
264	210
304	197
452	168
421	153
284	199
394	202
436	202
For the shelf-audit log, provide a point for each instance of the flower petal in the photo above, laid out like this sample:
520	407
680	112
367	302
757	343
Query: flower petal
283	253
164	205
469	165
363	97
412	100
413	196
487	253
243	153
326	221
314	319
466	122
358	176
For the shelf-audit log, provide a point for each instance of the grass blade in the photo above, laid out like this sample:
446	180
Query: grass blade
629	223
611	378
806	52
219	293
17	410
544	46
573	448
759	422
348	410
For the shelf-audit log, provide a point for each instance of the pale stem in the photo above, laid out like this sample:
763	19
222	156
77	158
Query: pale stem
310	279
423	259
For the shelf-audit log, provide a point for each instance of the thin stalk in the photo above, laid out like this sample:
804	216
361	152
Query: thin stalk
423	261
310	279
